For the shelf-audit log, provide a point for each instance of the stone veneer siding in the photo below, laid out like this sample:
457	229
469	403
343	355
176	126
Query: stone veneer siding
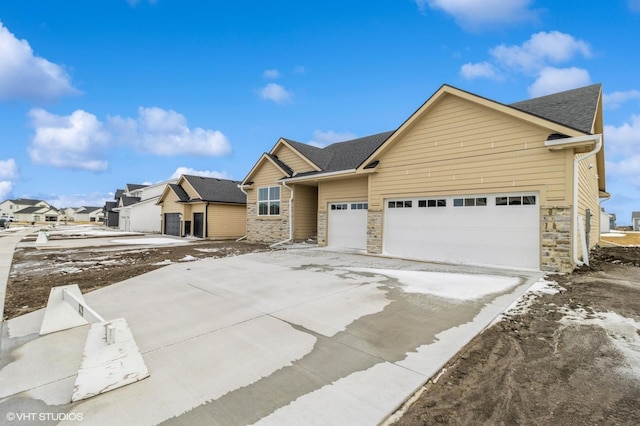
374	231
267	229
556	239
322	228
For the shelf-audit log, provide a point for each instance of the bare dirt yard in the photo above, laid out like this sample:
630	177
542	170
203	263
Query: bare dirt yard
570	358
35	270
570	355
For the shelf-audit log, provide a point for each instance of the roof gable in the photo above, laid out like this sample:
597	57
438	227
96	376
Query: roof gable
520	113
575	108
216	190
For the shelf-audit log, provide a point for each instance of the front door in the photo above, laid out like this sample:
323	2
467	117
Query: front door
198	225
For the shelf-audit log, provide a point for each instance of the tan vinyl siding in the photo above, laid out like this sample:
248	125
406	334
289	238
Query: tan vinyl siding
292	159
226	221
462	147
305	212
354	189
189	189
588	198
267	175
170	203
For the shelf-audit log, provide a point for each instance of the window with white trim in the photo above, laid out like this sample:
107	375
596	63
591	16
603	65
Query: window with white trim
269	201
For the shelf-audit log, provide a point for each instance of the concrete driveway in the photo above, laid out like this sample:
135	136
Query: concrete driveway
294	337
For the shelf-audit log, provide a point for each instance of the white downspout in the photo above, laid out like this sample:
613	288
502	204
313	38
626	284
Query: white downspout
576	160
241	188
290	218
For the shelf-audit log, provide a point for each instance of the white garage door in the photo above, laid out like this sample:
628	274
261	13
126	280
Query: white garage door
348	225
501	230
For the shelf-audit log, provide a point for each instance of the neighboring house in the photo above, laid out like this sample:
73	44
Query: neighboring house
635	221
612	221
138	209
605	222
204	207
111	216
29	210
465	179
88	214
67	214
37	214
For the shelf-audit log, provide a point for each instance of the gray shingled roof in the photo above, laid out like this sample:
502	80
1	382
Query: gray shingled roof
28	210
217	190
635	215
181	193
573	108
127	201
281	164
110	205
345	155
26	201
133	186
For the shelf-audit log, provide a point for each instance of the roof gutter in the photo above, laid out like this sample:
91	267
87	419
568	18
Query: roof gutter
241	188
319	176
577	219
290	218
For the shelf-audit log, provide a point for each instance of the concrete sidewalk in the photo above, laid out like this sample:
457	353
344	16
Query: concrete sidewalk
286	337
8	242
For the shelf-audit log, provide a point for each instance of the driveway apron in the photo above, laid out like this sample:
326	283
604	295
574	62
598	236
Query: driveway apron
285	337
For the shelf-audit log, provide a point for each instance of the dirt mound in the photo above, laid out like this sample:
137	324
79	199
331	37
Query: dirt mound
34	271
570	358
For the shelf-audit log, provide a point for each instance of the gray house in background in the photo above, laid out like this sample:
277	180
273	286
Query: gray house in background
635	221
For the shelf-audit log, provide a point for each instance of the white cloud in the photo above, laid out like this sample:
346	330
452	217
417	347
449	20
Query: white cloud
299	69
553	80
480	69
5	188
133	3
541	49
273	73
634	5
8	169
276	93
8	174
474	14
623	163
93	199
537	57
165	132
26	76
322	139
76	141
206	173
625	139
615	99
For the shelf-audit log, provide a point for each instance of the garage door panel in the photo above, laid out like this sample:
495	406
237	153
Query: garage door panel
172	224
486	234
347	227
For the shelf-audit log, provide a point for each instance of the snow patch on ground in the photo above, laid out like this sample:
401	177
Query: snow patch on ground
149	241
188	258
446	284
208	250
163	263
623	332
521	304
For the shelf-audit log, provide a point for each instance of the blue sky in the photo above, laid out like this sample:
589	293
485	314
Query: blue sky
94	95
